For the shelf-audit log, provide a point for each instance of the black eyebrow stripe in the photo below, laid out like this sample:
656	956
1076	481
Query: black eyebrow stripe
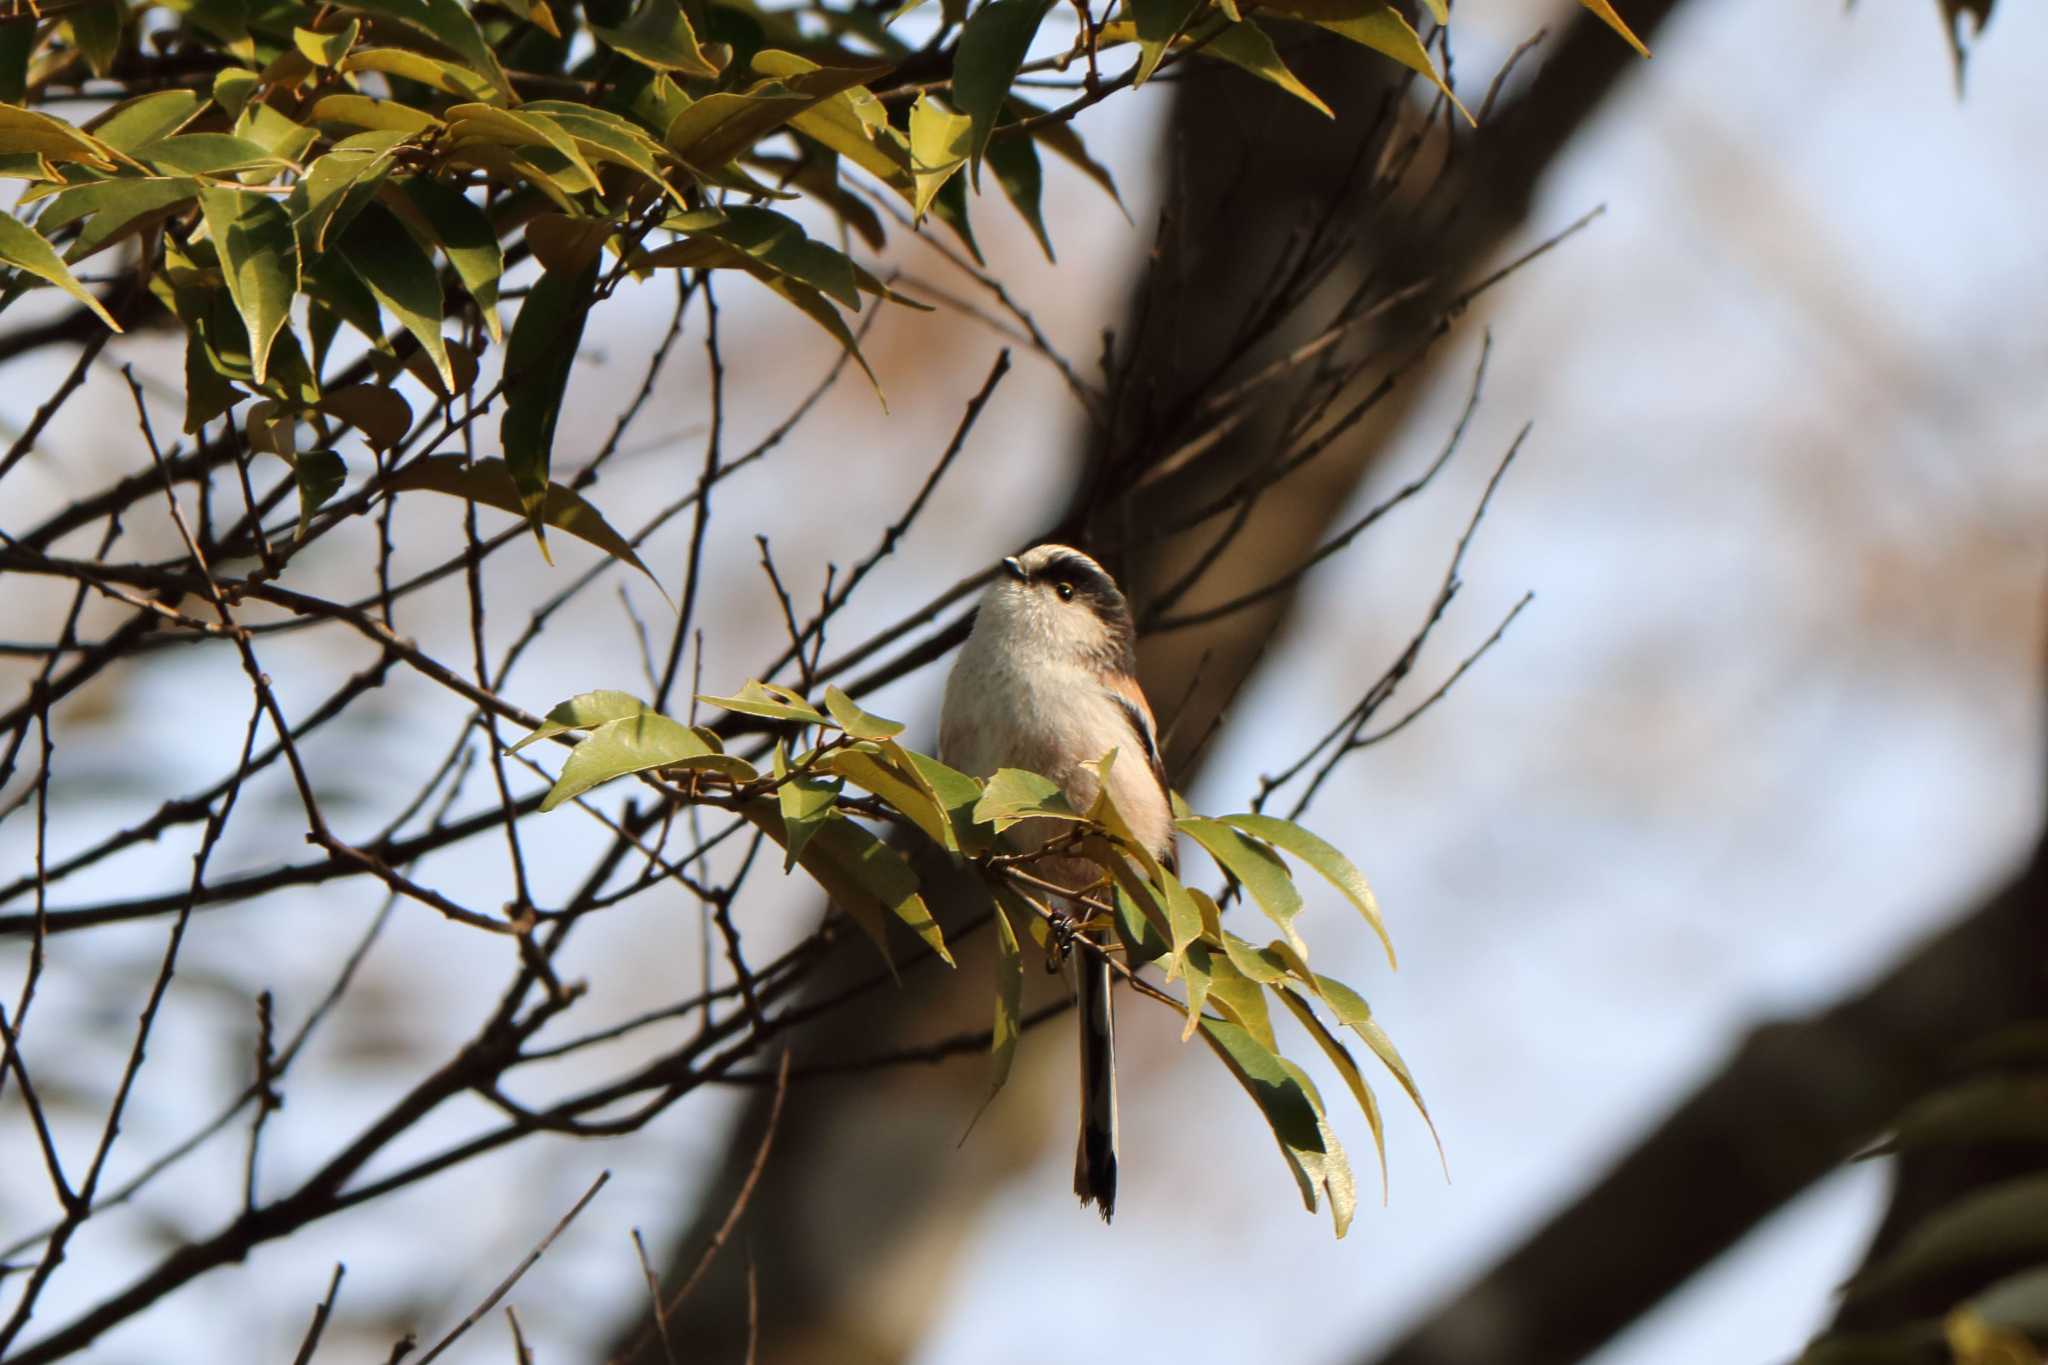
1098	581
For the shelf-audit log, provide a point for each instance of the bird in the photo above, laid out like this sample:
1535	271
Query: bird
1047	682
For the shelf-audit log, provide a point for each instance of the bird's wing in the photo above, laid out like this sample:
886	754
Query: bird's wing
1130	701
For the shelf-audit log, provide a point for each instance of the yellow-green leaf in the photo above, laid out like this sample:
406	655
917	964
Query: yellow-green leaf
771	703
939	143
402	277
1013	794
259	257
856	722
1255	866
490	482
449	23
1250	48
615	748
806	801
659	35
1337	869
447	77
1377	25
325	49
584	711
1605	13
1347	1067
991	49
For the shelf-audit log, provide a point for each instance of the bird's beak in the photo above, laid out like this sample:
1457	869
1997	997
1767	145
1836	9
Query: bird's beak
1014	567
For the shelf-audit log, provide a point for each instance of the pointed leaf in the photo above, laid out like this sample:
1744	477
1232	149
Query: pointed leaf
1352	1012
1159	22
1988	1227
25	130
1255	866
659	35
856	722
1015	162
1604	12
1337	869
1013	794
402	277
1347	1067
755	699
449	23
807	802
1250	48
538	358
467	239
991	49
319	475
584	711
629	744
490	482
939	143
113	207
336	186
1377	25
379	413
902	792
259	257
1009	964
1282	1099
135	123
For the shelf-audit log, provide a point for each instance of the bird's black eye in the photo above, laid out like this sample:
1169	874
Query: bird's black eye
1064	589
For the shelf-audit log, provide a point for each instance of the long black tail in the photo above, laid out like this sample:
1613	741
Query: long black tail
1095	1155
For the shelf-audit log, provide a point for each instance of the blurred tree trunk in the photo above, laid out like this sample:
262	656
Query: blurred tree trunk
866	1198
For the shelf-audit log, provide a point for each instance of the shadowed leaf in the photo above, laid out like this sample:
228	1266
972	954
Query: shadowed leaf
490	483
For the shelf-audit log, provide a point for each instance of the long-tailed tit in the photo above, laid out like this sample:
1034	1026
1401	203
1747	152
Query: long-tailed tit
1046	682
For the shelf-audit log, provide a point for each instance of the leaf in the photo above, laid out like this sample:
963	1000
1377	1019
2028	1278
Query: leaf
467	239
1256	867
1352	1012
490	483
536	133
991	49
259	257
402	278
818	309
939	143
135	123
807	802
284	139
1241	999
96	28
584	711
1347	1067
234	87
856	722
567	245
449	23
1159	22
2003	1222
758	699
1281	1097
319	475
208	154
336	186
538	358
112	207
659	35
360	111
1250	47
722	126
2017	1302
326	49
1009	965
1015	162
1604	12
379	413
902	792
17	45
1379	26
1012	794
25	130
447	77
864	876
629	744
1337	869
1985	1109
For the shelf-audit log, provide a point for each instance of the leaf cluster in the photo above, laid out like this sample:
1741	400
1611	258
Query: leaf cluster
817	806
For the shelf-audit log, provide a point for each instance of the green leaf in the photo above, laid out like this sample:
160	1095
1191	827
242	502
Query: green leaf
402	277
326	49
112	207
991	49
856	722
1144	939
722	126
17	44
285	139
957	793
234	87
1241	999
319	475
1377	25
1013	794
615	748
1283	1098
1604	12
1256	867
208	154
1250	47
467	239
490	483
1352	1012
585	711
537	134
807	802
1183	920
360	111
1159	22
773	703
135	123
1009	964
538	358
864	876
25	130
449	23
1347	1067
1062	141
1984	1109
903	792
447	77
1015	162
337	186
939	143
659	35
96	28
1337	869
1990	1226
567	245
259	256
